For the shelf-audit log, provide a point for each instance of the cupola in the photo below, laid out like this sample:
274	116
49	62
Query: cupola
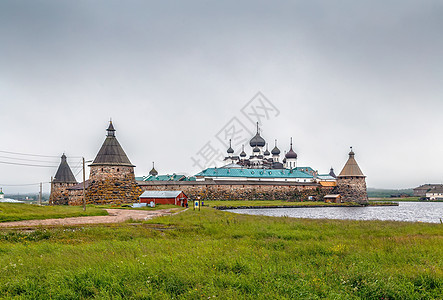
291	154
266	153
153	171
243	153
275	151
230	150
257	140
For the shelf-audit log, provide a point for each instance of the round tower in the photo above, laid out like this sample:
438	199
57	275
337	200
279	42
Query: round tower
351	183
111	177
62	181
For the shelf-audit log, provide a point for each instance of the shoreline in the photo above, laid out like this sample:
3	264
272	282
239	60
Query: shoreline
223	207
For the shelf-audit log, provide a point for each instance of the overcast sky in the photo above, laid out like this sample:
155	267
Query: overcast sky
172	74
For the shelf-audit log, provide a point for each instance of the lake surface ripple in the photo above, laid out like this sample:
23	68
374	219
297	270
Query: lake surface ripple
429	212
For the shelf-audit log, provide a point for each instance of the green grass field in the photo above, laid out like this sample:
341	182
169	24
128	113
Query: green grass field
219	255
20	211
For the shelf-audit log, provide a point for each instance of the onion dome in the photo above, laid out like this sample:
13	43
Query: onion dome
230	150
243	153
275	151
291	153
64	173
111	153
153	171
256	150
266	153
331	173
351	167
257	140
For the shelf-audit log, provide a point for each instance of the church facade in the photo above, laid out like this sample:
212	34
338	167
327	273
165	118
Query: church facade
264	165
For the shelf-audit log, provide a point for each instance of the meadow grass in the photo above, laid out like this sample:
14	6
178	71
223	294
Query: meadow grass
211	254
20	211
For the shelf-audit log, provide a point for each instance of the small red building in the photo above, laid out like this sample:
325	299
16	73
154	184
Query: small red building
164	197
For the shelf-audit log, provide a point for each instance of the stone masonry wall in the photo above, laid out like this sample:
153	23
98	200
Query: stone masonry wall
75	197
352	189
59	193
112	185
245	191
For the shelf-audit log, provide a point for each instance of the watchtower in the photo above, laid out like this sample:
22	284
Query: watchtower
112	179
64	179
351	183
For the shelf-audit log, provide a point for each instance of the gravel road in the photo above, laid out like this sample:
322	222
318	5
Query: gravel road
115	216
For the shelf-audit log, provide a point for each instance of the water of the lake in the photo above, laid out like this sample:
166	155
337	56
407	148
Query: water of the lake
430	212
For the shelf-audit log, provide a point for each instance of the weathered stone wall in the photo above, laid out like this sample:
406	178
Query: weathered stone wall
75	197
112	185
242	190
352	189
59	193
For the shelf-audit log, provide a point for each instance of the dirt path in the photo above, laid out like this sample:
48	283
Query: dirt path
115	216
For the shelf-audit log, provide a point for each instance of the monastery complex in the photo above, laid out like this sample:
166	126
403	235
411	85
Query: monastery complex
263	175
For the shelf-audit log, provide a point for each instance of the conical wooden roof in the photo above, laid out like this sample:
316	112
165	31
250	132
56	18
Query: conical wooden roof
351	167
111	153
64	173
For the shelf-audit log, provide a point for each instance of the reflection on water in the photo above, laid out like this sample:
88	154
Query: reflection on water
430	212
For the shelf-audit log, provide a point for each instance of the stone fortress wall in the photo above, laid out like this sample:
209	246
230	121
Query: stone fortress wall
60	195
241	190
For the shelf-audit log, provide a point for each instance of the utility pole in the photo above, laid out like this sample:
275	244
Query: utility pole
50	192
84	182
40	195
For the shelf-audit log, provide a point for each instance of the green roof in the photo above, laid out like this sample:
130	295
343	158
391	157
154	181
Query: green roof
173	177
255	173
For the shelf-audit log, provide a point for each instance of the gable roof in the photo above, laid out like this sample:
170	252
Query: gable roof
351	167
435	190
160	194
64	173
111	153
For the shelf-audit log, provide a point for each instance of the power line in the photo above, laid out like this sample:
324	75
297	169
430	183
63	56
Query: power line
28	165
39	155
79	165
25	184
26	159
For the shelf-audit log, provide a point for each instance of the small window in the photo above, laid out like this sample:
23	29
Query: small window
118	170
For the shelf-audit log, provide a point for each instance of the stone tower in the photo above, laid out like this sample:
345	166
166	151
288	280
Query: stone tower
64	179
351	182
111	178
